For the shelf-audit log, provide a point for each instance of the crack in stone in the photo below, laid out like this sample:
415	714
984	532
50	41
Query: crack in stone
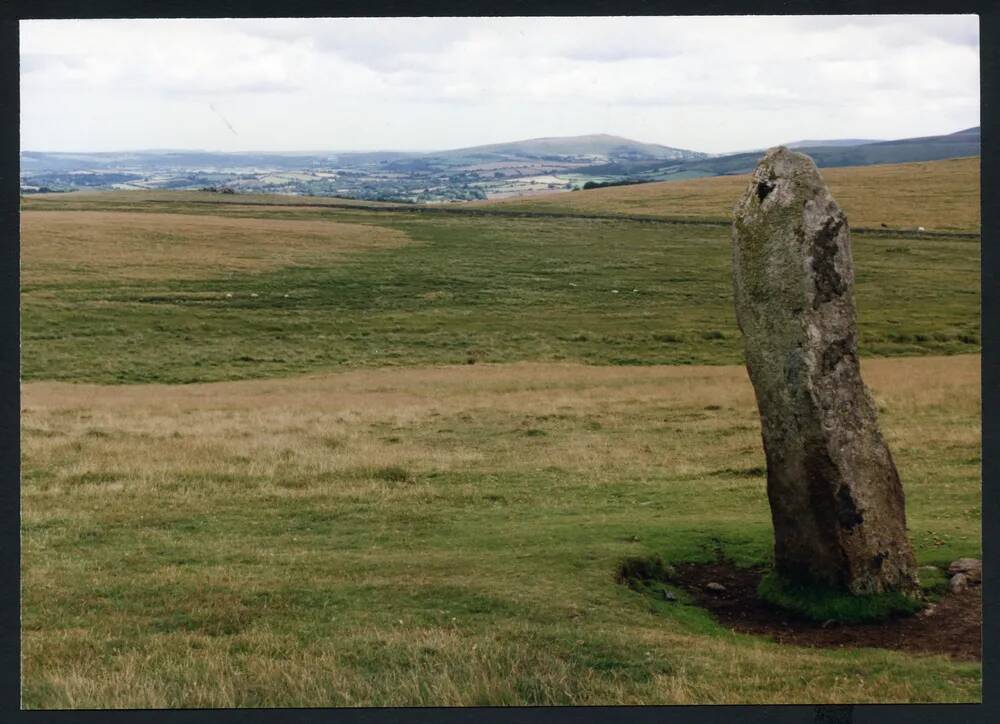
829	283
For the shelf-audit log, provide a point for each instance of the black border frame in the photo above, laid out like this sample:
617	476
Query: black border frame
14	10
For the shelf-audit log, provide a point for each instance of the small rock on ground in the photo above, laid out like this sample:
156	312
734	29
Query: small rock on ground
958	583
715	587
972	568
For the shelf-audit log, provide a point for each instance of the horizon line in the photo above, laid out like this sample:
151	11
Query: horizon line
463	148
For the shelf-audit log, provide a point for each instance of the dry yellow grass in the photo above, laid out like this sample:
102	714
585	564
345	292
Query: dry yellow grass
240	543
115	246
252	422
401	392
255	424
942	195
195	424
201	672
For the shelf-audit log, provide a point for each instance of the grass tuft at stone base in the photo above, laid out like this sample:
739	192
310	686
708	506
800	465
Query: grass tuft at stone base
644	569
825	604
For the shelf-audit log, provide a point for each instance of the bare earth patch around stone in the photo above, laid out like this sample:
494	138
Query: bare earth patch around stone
952	627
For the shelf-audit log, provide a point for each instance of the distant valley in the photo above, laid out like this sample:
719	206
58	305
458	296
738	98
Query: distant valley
496	171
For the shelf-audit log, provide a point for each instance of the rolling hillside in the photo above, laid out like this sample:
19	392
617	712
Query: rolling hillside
589	148
594	145
489	172
812	143
325	453
906	150
938	195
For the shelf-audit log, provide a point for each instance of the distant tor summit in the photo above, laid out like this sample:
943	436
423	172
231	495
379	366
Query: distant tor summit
593	146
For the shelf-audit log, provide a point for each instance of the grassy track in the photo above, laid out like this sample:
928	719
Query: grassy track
440	536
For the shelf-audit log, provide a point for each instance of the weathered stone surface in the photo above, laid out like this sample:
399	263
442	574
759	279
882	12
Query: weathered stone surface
836	498
971	567
958	583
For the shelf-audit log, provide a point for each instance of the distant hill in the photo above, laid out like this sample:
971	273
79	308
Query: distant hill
905	150
37	161
599	145
563	151
461	174
833	142
598	154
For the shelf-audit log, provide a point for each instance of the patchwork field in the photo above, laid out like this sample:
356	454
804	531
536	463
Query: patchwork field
410	451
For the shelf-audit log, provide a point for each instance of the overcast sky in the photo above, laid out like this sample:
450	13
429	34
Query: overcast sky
711	84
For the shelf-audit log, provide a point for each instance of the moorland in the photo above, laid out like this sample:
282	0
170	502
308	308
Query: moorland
334	453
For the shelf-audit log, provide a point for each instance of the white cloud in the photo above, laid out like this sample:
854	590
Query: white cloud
709	83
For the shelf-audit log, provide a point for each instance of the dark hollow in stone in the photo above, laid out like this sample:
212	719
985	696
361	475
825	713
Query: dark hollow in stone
836	499
763	189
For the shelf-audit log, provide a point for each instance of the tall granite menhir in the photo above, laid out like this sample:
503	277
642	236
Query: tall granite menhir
836	499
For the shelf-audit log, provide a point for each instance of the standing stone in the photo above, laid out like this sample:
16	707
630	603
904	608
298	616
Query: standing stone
836	499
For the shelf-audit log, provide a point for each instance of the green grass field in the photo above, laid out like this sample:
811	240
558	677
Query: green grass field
340	509
447	291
